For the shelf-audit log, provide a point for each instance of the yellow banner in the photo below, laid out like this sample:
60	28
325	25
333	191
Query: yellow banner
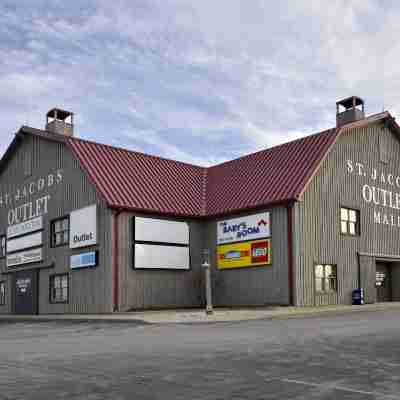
244	254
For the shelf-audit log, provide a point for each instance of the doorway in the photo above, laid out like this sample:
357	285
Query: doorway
26	292
383	282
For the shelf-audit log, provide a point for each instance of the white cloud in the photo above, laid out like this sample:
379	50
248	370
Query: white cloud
200	81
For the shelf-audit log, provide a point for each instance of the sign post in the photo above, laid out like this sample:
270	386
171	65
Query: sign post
206	266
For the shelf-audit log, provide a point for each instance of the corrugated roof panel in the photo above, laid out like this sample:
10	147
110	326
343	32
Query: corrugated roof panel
269	176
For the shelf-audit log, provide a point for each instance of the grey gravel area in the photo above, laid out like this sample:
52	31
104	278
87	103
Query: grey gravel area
354	356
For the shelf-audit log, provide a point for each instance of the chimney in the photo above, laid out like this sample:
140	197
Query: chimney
60	121
349	110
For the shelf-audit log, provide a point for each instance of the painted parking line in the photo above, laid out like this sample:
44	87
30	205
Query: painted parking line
339	388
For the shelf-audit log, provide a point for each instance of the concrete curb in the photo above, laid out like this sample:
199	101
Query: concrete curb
199	316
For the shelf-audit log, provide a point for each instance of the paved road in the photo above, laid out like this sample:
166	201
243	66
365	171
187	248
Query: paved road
355	356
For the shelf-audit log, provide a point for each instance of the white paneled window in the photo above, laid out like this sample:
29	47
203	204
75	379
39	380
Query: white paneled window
325	278
349	221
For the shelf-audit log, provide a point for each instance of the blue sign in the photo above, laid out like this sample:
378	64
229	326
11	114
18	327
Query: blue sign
84	260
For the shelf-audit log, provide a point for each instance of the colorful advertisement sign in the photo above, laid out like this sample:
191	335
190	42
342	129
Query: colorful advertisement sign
250	227
245	254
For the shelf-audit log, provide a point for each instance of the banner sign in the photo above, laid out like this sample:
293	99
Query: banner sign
84	260
83	226
161	257
246	254
24	257
250	227
23	228
24	242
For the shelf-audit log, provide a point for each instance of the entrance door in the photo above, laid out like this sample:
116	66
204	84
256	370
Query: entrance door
383	282
26	292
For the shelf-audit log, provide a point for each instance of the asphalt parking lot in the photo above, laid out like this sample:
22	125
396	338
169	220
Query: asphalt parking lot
355	356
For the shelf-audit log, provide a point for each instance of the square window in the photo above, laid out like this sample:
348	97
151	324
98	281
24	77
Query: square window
60	232
325	278
59	288
349	221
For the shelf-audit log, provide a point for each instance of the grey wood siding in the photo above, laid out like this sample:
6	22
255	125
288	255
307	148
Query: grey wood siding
90	289
261	285
317	216
141	289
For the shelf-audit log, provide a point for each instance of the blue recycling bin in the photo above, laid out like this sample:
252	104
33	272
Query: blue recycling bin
358	297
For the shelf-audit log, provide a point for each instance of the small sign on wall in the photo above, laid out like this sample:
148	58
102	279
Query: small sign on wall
83	227
33	225
24	242
245	254
250	227
84	260
24	257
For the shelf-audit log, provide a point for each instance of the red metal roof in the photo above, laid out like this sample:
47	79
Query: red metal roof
275	175
137	181
140	182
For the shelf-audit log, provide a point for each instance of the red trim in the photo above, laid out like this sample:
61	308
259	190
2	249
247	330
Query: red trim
290	251
115	252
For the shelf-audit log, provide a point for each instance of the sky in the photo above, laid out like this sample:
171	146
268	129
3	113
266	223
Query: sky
196	81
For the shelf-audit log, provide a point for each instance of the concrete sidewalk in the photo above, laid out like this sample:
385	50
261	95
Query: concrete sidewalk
199	316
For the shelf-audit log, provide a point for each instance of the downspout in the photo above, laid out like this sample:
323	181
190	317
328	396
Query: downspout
289	208
115	264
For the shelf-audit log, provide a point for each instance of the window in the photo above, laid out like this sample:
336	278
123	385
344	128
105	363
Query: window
2	293
59	288
325	278
349	221
60	232
3	246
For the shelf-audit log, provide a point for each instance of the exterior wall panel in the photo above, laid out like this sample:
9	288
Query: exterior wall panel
260	285
318	214
141	289
90	289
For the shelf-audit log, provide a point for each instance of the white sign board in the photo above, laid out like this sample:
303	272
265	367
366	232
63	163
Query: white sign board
162	257
24	242
250	227
161	231
24	257
23	228
83	227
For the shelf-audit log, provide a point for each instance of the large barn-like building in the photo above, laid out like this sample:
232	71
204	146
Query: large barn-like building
90	228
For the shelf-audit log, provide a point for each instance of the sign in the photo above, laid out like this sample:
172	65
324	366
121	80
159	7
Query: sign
161	231
245	254
24	242
246	228
151	256
84	260
23	228
23	285
380	190
24	257
83	227
29	189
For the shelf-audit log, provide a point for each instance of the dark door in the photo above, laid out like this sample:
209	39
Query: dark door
26	292
383	282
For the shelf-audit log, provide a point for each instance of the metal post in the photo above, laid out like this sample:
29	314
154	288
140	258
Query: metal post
207	271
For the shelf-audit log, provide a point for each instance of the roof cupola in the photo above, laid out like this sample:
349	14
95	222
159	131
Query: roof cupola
349	110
